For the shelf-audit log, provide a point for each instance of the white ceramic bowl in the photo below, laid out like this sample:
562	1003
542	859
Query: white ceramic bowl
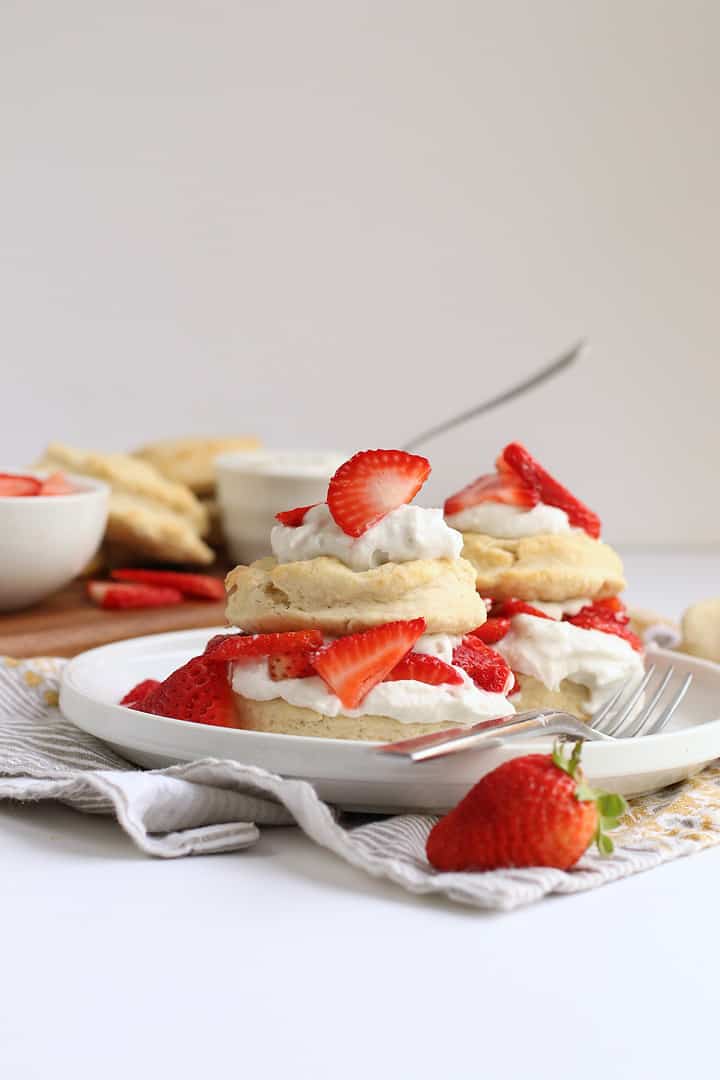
254	486
46	540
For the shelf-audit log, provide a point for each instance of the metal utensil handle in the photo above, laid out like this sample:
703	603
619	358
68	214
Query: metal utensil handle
494	726
546	372
469	739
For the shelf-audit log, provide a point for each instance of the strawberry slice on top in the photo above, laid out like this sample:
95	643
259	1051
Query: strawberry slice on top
351	666
502	487
372	484
531	473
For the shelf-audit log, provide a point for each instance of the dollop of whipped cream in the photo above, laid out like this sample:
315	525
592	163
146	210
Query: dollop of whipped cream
406	700
510	522
552	651
407	533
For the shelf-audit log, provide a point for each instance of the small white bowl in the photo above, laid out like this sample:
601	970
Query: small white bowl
253	486
46	540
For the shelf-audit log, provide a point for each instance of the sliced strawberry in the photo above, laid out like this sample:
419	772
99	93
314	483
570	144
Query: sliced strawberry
249	646
112	596
611	606
57	484
294	517
508	608
493	630
353	665
372	484
425	669
492	488
139	692
591	618
199	586
290	665
532	474
198	691
487	668
18	485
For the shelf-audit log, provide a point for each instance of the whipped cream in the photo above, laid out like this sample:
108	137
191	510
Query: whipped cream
407	533
510	522
440	645
406	700
565	607
552	651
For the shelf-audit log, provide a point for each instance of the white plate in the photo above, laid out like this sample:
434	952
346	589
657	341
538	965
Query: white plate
351	774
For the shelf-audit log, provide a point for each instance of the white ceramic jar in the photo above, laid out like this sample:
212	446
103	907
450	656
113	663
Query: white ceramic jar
254	486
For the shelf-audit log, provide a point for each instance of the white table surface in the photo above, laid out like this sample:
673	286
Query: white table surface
283	961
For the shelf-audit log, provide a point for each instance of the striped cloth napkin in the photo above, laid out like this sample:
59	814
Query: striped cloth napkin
212	806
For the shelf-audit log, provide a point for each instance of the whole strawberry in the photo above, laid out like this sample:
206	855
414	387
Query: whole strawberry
532	811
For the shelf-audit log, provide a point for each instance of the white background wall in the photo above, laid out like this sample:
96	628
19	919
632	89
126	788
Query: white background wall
333	223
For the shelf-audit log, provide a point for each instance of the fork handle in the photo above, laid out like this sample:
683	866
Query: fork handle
485	728
491	733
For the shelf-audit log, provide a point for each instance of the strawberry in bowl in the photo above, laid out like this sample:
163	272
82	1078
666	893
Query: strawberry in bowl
51	525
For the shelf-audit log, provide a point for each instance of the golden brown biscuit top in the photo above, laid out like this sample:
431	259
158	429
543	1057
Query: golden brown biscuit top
549	566
324	593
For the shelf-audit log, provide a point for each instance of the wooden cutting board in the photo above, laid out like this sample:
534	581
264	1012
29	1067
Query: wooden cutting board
68	623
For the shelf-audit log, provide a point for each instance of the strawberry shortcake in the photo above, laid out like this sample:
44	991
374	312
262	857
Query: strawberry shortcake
550	585
359	626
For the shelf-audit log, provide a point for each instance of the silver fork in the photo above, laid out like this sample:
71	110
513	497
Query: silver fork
617	719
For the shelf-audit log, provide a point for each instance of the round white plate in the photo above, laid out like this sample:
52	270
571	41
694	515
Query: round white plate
352	774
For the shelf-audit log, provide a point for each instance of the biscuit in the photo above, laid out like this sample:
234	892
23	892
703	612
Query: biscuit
701	630
279	717
550	566
325	594
154	532
147	514
191	461
570	697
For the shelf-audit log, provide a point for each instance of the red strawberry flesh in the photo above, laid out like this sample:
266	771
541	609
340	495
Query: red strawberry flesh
57	484
139	692
548	489
199	692
493	630
371	485
425	669
199	586
290	665
487	668
509	608
14	486
530	811
119	596
351	666
250	646
294	517
492	488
